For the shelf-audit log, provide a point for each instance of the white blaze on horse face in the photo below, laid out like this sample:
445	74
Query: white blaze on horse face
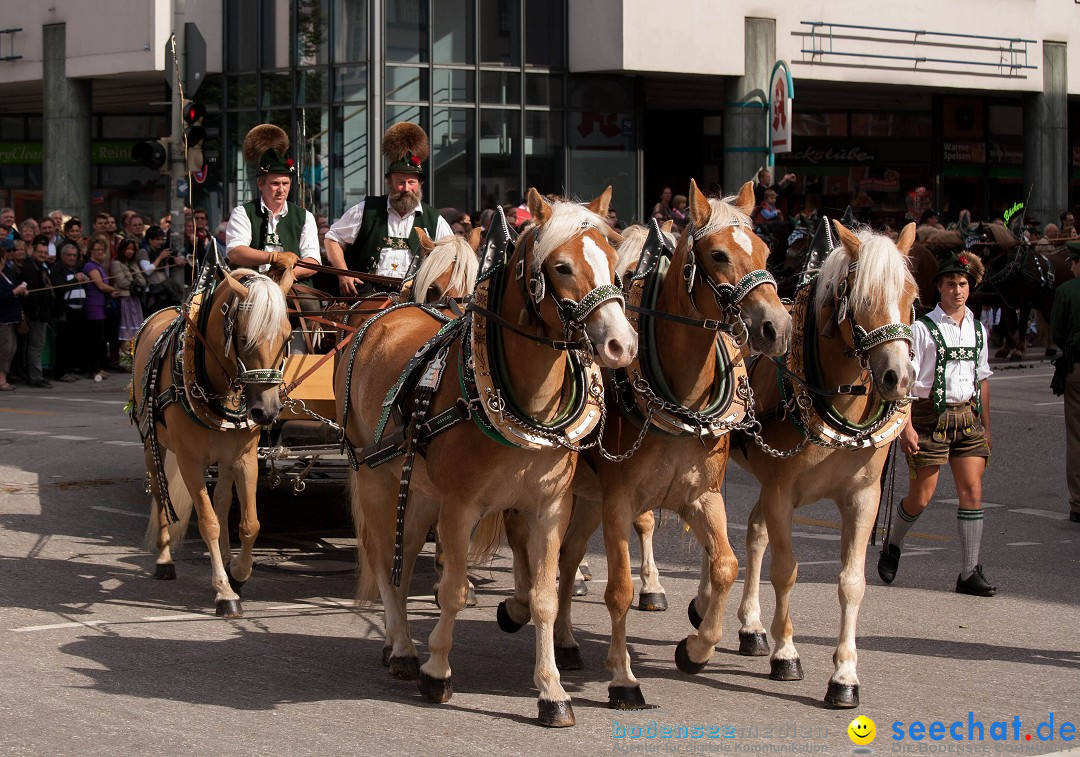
742	240
614	340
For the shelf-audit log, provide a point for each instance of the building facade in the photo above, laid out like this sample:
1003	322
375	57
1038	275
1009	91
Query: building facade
968	104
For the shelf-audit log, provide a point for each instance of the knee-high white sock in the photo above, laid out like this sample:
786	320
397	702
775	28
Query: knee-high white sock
900	525
970	525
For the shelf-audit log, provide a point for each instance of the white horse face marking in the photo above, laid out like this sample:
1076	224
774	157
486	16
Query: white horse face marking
741	239
597	260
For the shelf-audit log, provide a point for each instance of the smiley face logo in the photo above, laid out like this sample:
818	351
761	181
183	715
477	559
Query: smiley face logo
861	730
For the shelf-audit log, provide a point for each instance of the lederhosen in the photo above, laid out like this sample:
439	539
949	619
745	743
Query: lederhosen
952	427
362	255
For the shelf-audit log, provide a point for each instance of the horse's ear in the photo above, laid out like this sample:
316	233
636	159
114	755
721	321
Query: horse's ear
426	242
476	236
907	238
745	201
667	226
601	203
538	207
288	278
848	239
237	288
699	207
614	237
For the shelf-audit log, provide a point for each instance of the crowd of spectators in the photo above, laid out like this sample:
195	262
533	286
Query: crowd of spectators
73	303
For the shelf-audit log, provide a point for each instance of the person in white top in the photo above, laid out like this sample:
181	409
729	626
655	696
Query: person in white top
949	422
271	231
377	234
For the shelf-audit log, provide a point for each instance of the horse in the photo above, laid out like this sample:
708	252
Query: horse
448	270
206	405
690	391
826	435
523	374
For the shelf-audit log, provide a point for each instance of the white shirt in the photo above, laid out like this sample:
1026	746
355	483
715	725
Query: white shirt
346	228
238	232
960	375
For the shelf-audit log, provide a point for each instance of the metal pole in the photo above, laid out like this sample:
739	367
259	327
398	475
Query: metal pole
177	153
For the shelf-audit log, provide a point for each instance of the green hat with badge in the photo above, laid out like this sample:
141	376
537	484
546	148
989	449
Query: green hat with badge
966	263
1072	250
405	148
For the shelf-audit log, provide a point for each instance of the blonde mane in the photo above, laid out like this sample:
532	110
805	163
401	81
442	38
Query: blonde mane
724	213
568	221
629	250
452	251
880	278
264	307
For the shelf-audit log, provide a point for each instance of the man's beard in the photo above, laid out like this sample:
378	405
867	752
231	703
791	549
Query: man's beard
405	202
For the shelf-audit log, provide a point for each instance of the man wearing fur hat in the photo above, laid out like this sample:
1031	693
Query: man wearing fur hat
949	422
378	234
271	231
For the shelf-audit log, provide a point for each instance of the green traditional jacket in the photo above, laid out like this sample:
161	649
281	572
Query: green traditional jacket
362	255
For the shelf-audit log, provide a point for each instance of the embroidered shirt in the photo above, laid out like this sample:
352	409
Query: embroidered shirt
960	375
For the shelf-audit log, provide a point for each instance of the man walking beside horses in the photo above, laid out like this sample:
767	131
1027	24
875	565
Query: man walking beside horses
950	422
1065	327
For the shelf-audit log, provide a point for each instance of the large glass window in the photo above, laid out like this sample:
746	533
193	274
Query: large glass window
349	158
500	157
275	26
453	85
500	32
602	148
453	158
241	54
500	87
276	90
545	40
406	39
312	17
453	28
312	86
406	83
311	158
350	31
544	151
351	84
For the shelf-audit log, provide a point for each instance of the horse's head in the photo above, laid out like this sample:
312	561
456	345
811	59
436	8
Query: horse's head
449	267
570	257
259	335
723	253
867	284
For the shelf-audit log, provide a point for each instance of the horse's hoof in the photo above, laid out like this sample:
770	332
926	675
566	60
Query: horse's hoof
433	689
753	643
386	652
506	623
683	661
842	696
237	586
229	608
555	714
470	597
627	698
692	613
568	658
586	574
580	589
404	668
652	601
165	571
785	670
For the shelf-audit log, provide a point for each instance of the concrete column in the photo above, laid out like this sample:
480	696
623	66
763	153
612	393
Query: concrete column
67	128
1046	139
746	105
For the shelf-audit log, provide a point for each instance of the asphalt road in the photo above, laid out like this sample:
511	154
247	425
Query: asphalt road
99	658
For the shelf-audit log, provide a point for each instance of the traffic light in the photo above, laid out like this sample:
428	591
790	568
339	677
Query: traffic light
194	134
152	153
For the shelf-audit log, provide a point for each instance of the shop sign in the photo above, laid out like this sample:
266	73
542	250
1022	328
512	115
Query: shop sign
1004	154
602	131
32	153
1008	215
781	94
815	155
965	152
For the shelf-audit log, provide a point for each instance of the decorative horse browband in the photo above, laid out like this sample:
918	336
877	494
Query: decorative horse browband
808	406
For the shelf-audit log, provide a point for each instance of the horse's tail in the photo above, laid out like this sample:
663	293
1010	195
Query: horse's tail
182	505
367	587
486	538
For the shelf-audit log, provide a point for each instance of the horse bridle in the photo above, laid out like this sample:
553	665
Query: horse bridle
727	296
862	340
535	288
230	310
